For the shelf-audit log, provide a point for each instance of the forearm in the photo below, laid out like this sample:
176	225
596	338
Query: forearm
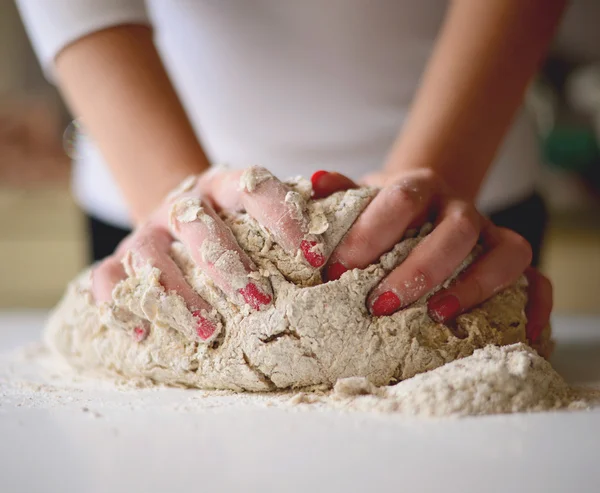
115	82
485	56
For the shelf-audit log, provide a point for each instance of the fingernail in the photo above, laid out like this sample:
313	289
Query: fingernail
204	327
311	254
254	296
534	332
385	304
314	179
335	271
444	308
140	333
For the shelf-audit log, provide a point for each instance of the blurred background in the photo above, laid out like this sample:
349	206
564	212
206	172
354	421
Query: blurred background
43	241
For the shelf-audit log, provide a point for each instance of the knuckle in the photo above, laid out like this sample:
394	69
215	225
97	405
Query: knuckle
428	179
465	224
259	169
429	175
150	236
107	269
521	246
140	242
260	173
160	236
146	253
354	246
360	240
136	243
423	279
403	196
104	277
476	289
419	175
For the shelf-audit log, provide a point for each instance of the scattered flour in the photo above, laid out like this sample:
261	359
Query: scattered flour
494	380
254	176
317	336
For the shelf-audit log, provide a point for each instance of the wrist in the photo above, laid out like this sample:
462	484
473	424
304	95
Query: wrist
459	177
164	179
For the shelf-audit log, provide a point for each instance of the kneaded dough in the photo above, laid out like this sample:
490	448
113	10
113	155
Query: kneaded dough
493	380
313	334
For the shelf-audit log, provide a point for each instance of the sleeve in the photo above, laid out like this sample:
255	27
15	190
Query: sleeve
54	24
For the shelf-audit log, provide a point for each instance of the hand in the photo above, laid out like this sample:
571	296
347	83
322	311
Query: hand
409	199
189	214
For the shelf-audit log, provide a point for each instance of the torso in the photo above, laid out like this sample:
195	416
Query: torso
301	86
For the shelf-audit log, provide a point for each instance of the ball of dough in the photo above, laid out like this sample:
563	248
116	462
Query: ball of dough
313	334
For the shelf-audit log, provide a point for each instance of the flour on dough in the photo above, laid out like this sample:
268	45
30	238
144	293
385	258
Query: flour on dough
313	335
494	380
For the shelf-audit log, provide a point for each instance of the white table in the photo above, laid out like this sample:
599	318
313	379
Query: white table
108	440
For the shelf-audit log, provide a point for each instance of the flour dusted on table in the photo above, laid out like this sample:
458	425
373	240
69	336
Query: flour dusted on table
493	380
313	335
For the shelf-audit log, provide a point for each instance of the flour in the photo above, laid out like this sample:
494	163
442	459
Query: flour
311	336
185	186
32	378
252	177
296	205
227	261
188	210
493	380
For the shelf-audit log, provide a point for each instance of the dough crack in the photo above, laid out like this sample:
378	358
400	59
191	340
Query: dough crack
274	337
262	376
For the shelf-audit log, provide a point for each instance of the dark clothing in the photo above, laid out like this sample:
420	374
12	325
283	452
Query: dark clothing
104	237
529	218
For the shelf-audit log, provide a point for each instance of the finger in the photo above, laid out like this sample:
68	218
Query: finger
215	250
507	257
539	303
381	225
105	276
432	262
325	183
152	247
274	205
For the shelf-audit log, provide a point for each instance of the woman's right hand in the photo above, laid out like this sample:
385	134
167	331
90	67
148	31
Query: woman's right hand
189	214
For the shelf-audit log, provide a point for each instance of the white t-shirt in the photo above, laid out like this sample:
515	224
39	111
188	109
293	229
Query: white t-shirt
295	86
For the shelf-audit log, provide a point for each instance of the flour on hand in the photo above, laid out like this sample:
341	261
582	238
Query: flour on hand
313	335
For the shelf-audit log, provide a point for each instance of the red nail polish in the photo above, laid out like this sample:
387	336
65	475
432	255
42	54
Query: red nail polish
204	328
335	271
385	304
254	296
444	308
314	179
313	257
140	333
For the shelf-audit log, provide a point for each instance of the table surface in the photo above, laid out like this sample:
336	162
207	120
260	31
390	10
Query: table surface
104	439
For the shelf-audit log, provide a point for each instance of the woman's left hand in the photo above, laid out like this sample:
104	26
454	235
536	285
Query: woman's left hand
408	199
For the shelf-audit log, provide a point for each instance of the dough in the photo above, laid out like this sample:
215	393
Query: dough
313	334
493	380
